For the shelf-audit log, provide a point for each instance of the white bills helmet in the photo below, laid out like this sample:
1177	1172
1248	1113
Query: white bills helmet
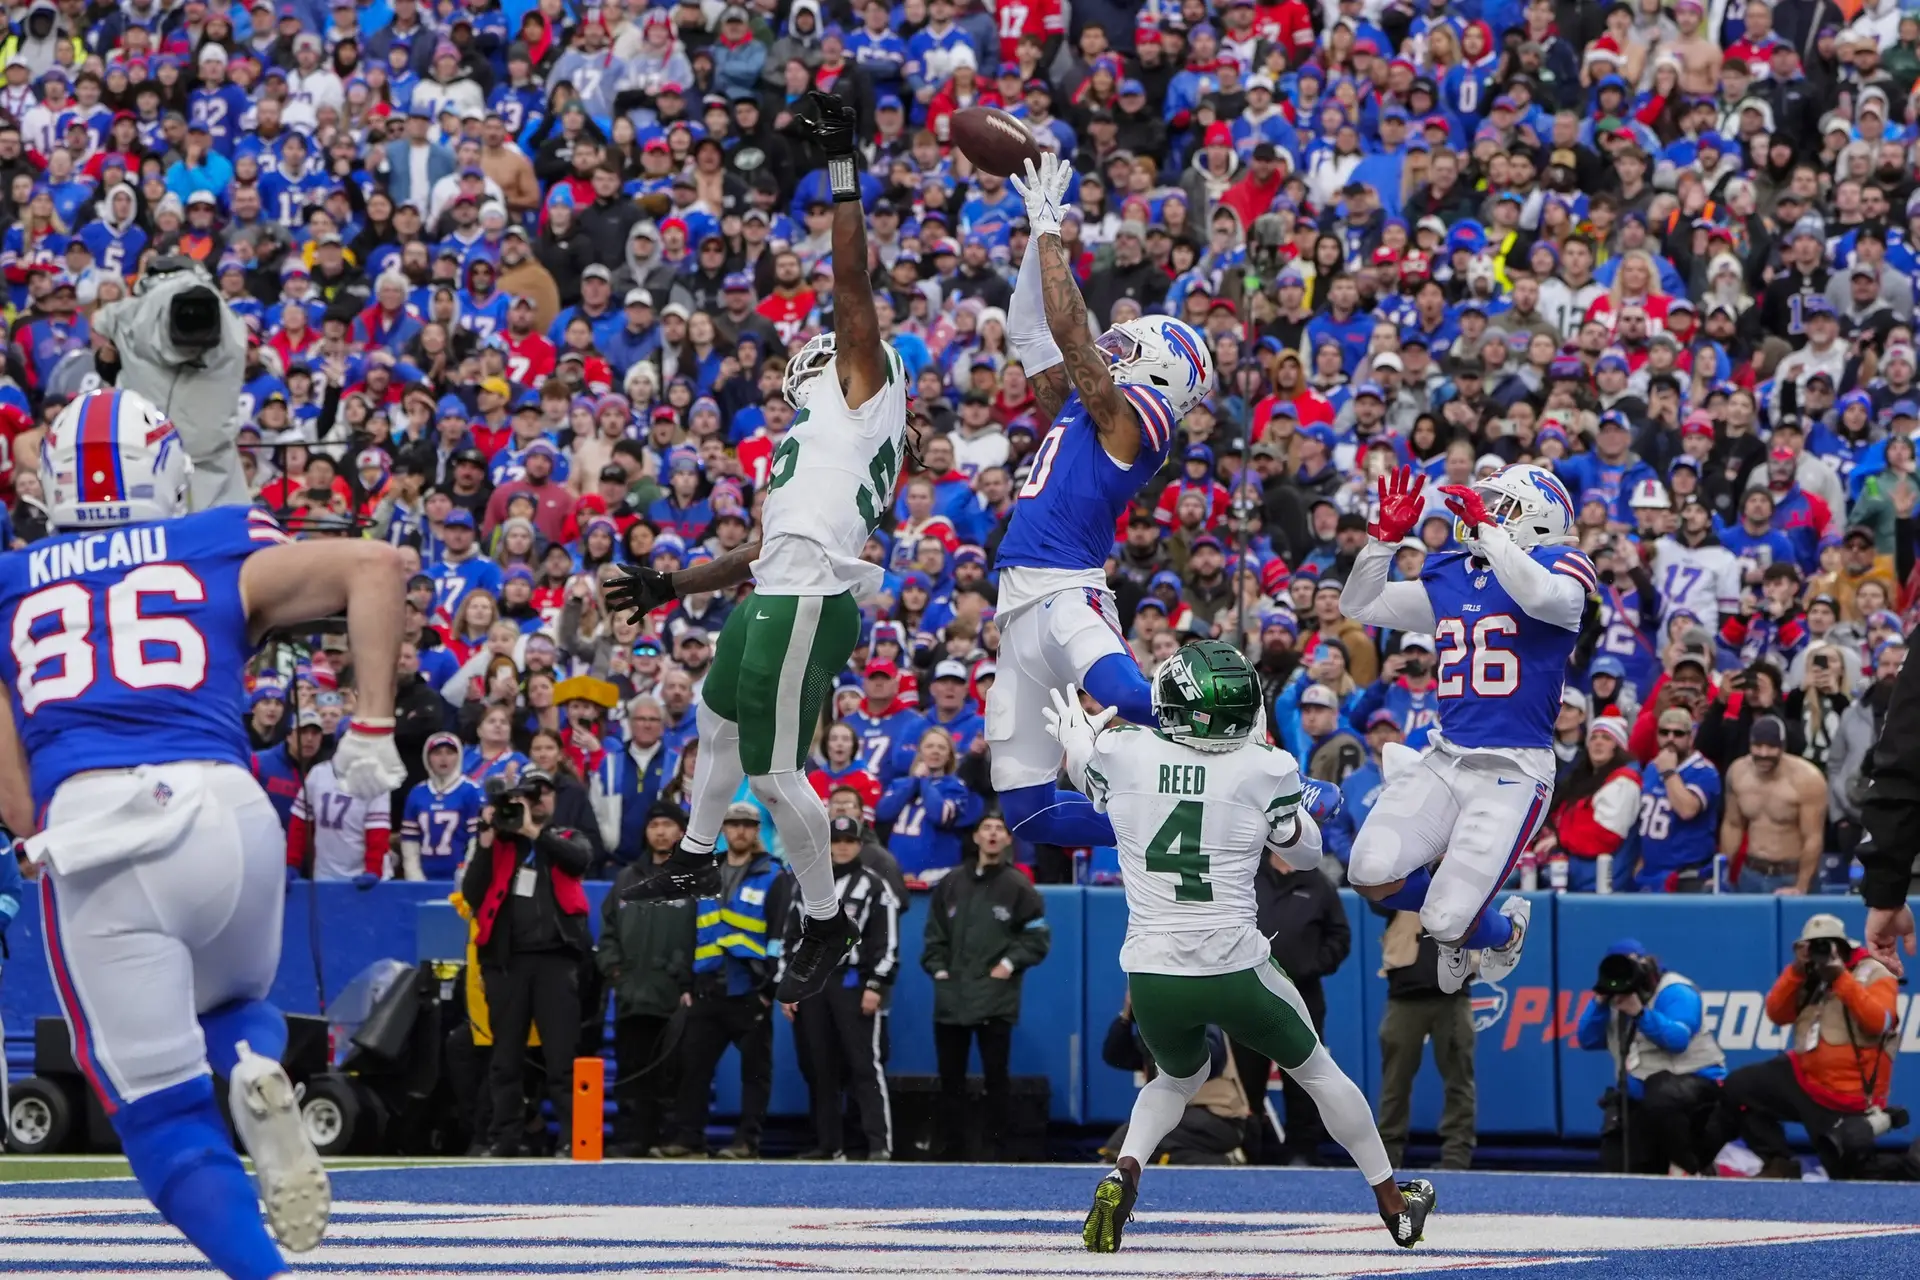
810	360
112	458
1166	354
1529	503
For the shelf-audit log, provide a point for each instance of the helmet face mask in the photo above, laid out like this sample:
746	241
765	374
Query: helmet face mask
804	369
1529	503
1206	696
1167	355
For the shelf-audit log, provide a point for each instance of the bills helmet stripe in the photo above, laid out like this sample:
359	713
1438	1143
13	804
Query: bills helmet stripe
98	460
1181	339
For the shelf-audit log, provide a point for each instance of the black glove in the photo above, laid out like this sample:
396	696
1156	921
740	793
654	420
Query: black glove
640	592
827	121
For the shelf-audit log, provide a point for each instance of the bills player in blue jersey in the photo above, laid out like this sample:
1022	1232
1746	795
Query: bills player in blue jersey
442	816
1115	403
164	877
1505	614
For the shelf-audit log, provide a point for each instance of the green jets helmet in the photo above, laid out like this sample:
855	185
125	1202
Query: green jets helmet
1207	696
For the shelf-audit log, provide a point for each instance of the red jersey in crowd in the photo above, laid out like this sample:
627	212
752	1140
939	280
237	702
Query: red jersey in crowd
530	358
1040	19
788	313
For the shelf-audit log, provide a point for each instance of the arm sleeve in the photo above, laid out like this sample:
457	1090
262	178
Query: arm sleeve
880	949
379	841
1371	599
1617	805
1027	330
1592	1031
1550	595
1302	853
1673	1018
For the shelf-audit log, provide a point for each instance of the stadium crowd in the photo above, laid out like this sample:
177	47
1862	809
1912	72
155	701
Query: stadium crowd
521	278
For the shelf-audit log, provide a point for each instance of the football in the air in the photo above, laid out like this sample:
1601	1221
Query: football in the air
994	141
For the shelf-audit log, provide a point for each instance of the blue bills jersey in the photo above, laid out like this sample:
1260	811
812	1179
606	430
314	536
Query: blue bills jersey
1075	493
129	646
1501	670
1668	842
444	823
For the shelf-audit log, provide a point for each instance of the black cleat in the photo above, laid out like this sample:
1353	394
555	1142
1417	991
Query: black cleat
683	875
822	945
1112	1209
1409	1226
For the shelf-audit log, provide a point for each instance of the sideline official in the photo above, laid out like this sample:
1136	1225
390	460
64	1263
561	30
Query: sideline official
840	1035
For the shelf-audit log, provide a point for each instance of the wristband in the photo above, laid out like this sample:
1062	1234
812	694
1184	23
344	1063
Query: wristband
843	178
372	725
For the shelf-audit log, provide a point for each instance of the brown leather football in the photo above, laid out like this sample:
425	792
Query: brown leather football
993	140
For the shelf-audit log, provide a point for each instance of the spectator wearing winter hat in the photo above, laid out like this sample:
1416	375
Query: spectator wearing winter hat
1595	808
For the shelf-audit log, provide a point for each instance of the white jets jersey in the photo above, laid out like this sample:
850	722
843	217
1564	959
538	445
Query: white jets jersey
1704	581
828	485
339	822
1192	827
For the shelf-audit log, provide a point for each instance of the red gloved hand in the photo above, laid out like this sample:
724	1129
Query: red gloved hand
1466	506
1400	505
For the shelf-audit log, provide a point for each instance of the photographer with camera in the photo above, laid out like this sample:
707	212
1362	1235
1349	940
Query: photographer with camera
176	343
530	912
1841	1005
1666	1063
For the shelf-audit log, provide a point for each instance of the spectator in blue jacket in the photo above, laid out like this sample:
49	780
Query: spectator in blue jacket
1653	1022
737	56
884	724
929	807
952	709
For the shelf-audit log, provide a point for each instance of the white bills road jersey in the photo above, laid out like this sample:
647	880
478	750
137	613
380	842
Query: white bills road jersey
1192	827
830	482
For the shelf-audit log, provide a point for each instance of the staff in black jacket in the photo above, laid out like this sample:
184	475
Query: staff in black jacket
1300	912
986	926
838	1037
1891	815
530	911
646	955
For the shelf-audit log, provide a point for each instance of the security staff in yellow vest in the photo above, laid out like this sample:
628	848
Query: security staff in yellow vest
1653	1025
734	968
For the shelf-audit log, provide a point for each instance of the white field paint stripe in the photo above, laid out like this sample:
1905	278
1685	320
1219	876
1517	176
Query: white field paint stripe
793	674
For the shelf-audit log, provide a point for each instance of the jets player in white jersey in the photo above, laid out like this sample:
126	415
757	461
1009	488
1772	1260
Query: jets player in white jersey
829	485
1693	571
1505	614
1196	804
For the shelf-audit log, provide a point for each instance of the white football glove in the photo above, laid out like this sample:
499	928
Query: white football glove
1072	727
1045	191
366	761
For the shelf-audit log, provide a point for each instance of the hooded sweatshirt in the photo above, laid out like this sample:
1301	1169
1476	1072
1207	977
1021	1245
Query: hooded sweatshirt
441	819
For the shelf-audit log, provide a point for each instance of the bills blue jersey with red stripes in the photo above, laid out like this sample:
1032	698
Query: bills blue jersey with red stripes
1076	493
129	646
1501	670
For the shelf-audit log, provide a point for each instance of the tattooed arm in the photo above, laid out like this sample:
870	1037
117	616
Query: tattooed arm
1086	367
1050	392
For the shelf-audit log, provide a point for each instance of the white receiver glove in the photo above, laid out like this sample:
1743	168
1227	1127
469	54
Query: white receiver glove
366	761
1045	191
1073	728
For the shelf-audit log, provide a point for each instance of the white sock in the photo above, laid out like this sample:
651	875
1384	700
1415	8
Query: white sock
800	816
1344	1110
1157	1111
717	775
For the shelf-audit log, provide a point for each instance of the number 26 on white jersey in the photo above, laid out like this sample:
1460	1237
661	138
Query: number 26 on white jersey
1491	670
